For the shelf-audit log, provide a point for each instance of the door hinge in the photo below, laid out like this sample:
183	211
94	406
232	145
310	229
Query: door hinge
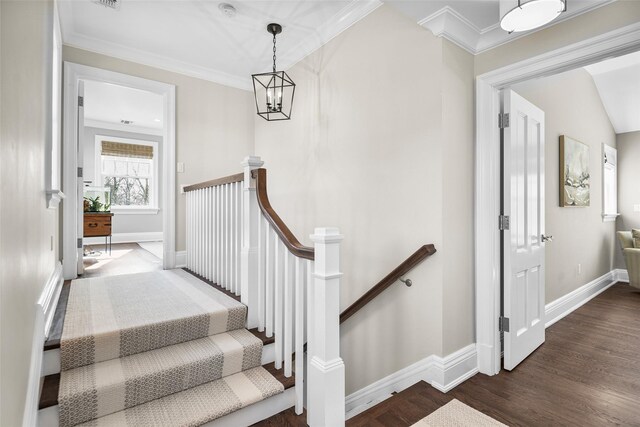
503	120
80	173
80	101
79	242
503	324
503	222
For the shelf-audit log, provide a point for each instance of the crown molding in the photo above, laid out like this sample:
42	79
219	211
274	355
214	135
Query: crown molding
345	18
451	25
128	53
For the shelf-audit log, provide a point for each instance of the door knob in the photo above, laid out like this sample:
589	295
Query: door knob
547	238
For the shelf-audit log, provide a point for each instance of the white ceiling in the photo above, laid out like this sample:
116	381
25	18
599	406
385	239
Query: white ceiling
107	104
618	82
195	38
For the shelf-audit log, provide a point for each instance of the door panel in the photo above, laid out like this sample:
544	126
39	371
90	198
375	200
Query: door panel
523	267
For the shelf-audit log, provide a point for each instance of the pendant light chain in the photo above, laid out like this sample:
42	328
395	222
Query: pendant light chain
274	53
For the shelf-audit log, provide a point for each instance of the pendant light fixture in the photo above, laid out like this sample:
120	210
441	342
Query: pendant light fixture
525	15
274	90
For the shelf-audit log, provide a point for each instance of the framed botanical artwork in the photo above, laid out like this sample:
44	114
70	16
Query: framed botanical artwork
575	189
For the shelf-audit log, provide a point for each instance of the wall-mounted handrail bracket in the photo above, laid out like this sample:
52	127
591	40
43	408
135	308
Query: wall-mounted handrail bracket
407	282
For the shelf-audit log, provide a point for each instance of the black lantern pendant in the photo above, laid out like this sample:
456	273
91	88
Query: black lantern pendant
274	91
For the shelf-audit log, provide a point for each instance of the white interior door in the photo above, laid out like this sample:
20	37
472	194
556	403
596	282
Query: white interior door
80	174
523	243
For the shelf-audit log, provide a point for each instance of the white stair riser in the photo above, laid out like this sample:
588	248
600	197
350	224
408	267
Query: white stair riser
48	417
51	362
268	354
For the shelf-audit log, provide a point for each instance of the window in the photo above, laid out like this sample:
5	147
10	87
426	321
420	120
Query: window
128	168
609	183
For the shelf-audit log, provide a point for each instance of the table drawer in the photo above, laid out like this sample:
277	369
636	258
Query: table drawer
95	226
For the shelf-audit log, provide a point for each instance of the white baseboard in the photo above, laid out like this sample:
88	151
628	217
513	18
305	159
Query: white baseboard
621	275
45	307
564	305
151	236
49	297
443	373
181	259
451	370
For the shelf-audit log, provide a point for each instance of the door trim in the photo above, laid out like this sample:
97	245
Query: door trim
72	74
487	171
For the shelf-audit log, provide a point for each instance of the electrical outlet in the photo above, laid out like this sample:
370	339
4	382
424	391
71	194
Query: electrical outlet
579	270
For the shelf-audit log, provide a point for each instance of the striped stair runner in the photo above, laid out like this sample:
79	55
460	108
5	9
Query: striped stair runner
157	348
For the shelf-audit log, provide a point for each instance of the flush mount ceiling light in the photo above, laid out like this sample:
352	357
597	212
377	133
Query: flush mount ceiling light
227	9
525	15
274	90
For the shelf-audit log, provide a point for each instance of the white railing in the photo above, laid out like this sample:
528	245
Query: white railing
292	292
214	212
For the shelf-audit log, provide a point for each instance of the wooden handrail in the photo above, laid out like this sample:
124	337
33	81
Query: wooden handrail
239	177
408	264
287	237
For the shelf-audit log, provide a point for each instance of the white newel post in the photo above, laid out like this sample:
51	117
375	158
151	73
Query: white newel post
249	253
326	395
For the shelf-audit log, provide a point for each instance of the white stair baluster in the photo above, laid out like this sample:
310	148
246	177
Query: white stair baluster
238	251
269	273
278	300
299	330
288	311
262	232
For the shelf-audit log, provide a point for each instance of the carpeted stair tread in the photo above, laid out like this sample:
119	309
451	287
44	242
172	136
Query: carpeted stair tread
107	387
117	316
198	405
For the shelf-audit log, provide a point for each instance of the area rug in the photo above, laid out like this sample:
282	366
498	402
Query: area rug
116	316
457	414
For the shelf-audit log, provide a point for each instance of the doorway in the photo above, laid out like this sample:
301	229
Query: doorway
488	274
119	153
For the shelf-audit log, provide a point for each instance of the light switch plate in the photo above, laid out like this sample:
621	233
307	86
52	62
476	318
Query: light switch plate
180	167
636	208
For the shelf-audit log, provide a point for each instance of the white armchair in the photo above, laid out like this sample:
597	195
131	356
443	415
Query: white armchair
631	257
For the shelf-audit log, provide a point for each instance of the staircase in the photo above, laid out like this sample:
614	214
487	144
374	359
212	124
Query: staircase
158	349
250	328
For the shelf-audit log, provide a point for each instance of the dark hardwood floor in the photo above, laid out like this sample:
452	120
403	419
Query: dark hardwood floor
587	373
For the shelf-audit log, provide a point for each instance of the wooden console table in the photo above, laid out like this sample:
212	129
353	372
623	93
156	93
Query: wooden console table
98	224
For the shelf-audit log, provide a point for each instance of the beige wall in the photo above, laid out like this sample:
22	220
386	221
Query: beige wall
599	21
628	188
28	230
573	107
366	151
458	320
214	123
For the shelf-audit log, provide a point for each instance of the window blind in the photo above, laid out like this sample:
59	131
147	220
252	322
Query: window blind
122	149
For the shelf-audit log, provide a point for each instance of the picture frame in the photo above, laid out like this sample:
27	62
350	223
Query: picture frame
575	176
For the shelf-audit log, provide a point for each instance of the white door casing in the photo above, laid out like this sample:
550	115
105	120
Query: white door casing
73	74
80	178
523	246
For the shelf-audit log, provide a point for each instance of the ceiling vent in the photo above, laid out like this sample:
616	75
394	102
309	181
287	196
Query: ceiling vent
113	4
